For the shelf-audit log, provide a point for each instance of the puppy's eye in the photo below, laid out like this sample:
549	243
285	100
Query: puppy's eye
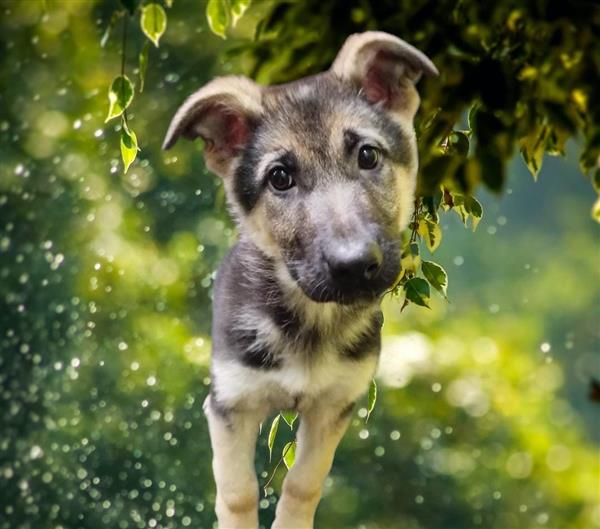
368	156
280	178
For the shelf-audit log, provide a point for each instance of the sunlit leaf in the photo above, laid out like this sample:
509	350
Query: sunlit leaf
417	291
458	143
431	233
120	95
289	417
596	210
217	14
289	454
410	259
153	22
129	146
143	65
273	434
473	208
436	275
372	398
237	9
532	149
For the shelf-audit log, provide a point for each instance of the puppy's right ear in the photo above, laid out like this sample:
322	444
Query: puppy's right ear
223	113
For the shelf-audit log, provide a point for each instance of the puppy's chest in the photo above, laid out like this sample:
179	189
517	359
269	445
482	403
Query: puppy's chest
277	337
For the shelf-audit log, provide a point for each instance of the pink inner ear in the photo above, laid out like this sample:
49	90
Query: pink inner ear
381	83
235	132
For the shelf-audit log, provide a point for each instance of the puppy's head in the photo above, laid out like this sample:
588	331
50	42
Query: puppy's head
321	172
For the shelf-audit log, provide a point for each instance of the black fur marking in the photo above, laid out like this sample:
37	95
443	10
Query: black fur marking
347	411
246	187
260	359
368	343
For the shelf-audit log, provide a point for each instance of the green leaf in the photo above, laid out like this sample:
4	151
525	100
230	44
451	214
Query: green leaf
431	232
143	64
596	210
217	14
473	208
129	146
436	275
289	454
410	259
120	95
153	22
417	291
532	149
289	417
169	3
273	434
238	8
372	398
458	143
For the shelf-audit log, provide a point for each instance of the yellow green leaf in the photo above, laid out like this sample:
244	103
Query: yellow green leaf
372	398
238	8
431	232
532	149
153	22
120	95
289	454
129	146
273	434
217	14
417	290
289	417
436	276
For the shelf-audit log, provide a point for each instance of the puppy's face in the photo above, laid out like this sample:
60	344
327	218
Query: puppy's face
321	172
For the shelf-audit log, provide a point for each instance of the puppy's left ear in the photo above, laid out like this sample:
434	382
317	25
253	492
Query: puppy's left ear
385	69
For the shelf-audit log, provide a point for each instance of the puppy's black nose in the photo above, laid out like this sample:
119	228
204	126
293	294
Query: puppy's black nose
354	261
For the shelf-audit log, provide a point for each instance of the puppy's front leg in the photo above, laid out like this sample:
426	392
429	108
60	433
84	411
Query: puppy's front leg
318	437
233	439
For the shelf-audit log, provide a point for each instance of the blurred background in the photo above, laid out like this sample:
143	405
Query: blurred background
483	418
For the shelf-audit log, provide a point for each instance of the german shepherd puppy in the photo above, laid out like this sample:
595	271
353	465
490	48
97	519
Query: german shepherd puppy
320	177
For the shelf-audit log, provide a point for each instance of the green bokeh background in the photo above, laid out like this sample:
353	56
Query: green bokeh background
483	418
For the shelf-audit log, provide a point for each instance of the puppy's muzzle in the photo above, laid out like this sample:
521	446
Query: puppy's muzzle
355	262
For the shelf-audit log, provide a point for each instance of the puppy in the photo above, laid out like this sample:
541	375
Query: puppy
320	177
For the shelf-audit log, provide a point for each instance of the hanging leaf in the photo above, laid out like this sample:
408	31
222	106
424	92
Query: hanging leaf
410	259
129	146
436	275
473	208
153	22
217	14
143	64
120	95
431	232
372	398
417	291
289	417
238	8
289	454
458	143
532	149
273	434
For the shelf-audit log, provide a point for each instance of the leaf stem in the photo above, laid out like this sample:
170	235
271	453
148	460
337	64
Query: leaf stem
123	57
